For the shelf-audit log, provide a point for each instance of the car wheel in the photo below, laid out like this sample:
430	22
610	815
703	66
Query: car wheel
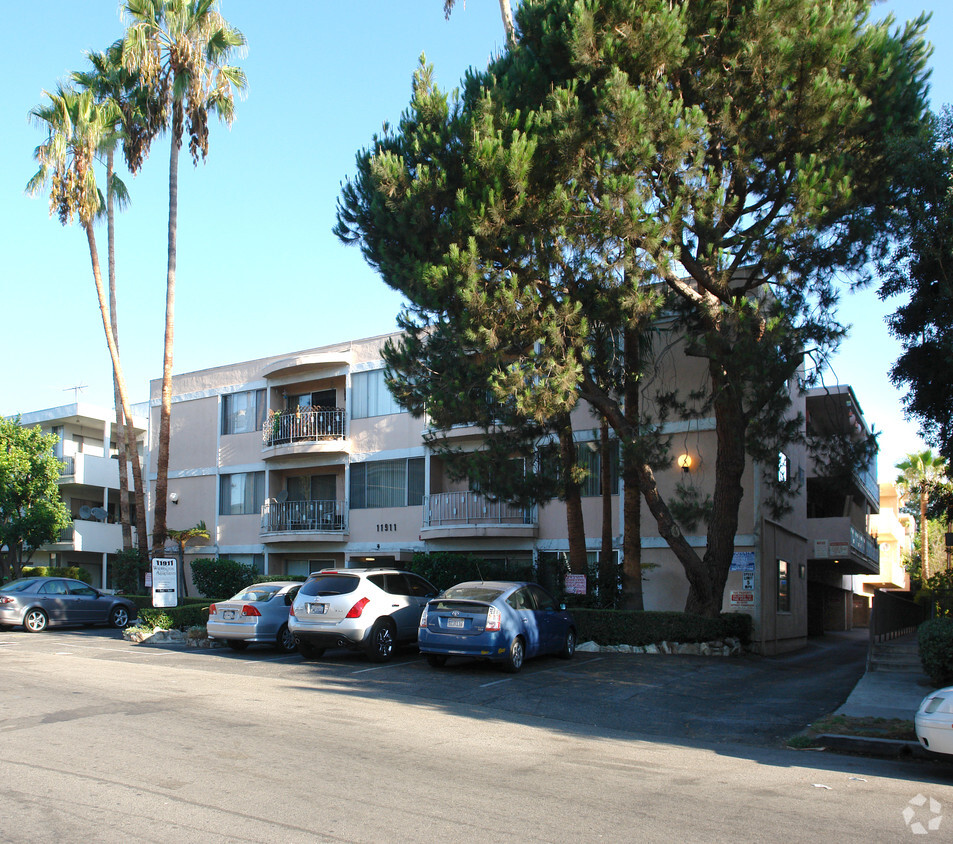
437	660
35	621
309	651
119	617
237	644
514	658
569	646
380	648
286	640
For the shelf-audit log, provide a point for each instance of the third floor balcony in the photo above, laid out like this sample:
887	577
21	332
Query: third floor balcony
305	430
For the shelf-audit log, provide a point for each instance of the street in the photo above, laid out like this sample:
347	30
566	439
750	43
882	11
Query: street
111	742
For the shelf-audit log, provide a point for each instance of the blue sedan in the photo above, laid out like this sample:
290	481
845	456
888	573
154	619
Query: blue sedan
496	620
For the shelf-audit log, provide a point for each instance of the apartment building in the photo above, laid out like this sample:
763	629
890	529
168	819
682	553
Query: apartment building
304	460
840	513
89	485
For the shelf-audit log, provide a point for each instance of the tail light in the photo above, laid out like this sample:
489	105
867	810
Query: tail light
358	608
250	612
6	599
292	610
423	618
493	619
211	610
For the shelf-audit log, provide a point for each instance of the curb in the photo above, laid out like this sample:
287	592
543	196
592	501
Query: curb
870	746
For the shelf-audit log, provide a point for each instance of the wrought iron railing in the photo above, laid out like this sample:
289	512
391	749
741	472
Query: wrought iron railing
283	516
308	424
444	509
68	465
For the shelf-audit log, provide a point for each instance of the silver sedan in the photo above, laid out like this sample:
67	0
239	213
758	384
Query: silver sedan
258	614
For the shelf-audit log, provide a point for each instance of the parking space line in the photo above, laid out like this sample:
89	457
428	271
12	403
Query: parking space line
388	665
496	682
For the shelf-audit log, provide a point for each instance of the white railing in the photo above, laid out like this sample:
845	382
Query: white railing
324	516
444	509
308	424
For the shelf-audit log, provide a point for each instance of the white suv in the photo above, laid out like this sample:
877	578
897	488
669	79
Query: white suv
369	609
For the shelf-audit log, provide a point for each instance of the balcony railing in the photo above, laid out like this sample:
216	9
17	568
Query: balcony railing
309	424
68	465
285	516
450	509
864	544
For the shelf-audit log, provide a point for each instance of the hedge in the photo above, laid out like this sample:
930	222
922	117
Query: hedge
935	640
74	572
627	627
175	618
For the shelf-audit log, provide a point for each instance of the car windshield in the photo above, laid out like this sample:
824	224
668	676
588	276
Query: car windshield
18	585
257	594
473	593
329	584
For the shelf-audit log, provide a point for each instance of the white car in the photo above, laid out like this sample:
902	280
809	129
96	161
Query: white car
934	721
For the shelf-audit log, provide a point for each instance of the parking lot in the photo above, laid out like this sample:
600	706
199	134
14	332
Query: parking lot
751	699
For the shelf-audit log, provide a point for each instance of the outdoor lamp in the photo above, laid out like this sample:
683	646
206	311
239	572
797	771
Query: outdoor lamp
684	462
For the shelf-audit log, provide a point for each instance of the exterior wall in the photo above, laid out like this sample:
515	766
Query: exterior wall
201	455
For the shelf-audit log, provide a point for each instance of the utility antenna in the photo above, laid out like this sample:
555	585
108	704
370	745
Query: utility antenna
75	390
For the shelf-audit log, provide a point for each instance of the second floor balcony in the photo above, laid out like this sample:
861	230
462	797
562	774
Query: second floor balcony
307	520
305	430
470	514
837	540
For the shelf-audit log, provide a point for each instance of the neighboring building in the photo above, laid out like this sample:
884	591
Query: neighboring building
839	511
89	486
304	460
894	531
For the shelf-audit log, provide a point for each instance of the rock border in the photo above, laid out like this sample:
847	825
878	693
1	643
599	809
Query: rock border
718	647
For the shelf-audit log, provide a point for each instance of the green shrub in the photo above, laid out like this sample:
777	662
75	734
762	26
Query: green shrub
175	618
268	578
221	578
626	627
935	638
74	572
128	570
445	568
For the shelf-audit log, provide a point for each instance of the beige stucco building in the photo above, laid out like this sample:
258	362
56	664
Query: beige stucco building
304	460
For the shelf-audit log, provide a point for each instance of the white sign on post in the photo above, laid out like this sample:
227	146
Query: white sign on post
165	582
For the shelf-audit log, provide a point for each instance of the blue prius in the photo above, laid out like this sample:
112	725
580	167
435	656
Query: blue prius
496	620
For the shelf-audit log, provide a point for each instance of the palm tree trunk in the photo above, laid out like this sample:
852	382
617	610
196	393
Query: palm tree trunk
924	539
159	526
113	353
124	519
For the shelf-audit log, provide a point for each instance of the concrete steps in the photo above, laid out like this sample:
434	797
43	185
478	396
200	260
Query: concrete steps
900	655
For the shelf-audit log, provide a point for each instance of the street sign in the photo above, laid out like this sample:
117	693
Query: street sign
165	582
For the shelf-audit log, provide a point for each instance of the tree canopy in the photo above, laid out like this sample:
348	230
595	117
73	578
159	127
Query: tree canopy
725	159
31	510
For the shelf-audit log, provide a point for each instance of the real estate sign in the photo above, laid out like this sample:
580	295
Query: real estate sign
165	582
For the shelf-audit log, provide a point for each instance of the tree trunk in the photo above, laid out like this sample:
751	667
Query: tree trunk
607	568
924	537
159	526
124	519
632	594
507	14
578	561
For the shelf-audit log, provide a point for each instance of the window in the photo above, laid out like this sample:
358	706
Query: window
387	483
590	459
370	396
784	587
325	399
243	412
784	468
312	488
241	494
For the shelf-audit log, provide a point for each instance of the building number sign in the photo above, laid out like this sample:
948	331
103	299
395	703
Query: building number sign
386	528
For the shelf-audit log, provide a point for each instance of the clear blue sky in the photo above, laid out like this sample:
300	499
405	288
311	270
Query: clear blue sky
259	272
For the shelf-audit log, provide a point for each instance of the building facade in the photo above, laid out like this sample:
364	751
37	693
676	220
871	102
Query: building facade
301	461
89	486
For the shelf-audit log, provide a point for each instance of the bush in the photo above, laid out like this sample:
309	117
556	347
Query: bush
175	618
128	569
444	569
935	638
627	627
74	572
221	578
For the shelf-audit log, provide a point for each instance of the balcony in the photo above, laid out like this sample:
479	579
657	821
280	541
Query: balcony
836	544
68	466
84	535
305	431
303	520
469	514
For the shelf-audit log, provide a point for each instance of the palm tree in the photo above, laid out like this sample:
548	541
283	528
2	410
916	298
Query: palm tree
505	12
919	473
183	538
110	83
77	128
179	48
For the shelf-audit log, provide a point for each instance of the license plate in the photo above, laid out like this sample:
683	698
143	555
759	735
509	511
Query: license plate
228	615
317	609
455	623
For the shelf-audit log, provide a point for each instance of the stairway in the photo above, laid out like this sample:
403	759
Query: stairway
897	655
